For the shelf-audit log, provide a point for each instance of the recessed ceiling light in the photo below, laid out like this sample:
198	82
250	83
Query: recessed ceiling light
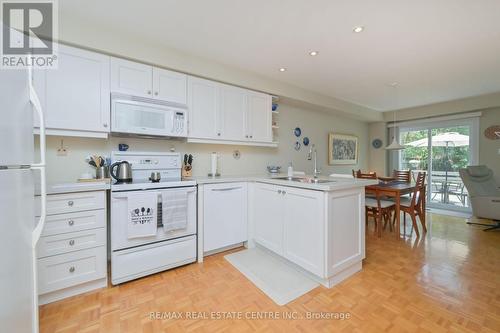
358	29
393	84
282	69
313	53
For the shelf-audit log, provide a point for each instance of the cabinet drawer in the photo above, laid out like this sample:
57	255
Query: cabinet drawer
69	242
73	202
144	260
63	223
70	269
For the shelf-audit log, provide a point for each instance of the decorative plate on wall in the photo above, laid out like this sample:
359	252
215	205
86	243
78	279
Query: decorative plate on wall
492	132
297	131
305	141
377	143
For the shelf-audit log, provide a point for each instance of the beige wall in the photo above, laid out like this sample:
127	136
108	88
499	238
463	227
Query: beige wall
488	149
377	160
316	125
483	102
489	153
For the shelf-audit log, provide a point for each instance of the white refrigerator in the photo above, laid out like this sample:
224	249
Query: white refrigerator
19	228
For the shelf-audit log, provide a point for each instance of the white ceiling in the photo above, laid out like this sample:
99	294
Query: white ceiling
437	50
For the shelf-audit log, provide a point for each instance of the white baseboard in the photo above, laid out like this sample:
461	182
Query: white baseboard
72	291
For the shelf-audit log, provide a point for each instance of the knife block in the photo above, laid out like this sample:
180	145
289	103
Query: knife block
186	173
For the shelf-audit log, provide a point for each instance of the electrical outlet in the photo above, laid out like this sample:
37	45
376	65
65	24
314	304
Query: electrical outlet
62	152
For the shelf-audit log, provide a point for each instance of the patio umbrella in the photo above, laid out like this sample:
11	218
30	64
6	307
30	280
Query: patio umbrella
449	139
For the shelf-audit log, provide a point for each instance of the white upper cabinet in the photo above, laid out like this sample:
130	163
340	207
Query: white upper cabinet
259	116
220	113
170	86
131	78
233	109
203	108
75	97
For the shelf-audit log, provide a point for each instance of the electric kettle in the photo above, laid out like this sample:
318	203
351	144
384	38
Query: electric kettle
121	171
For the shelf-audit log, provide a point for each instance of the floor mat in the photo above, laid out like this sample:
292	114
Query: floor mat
277	279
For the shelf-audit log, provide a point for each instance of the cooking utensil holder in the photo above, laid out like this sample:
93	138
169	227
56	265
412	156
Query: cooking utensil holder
102	172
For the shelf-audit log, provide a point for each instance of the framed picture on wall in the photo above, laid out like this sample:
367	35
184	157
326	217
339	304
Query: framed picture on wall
342	149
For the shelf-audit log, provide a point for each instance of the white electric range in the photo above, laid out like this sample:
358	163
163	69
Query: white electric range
133	257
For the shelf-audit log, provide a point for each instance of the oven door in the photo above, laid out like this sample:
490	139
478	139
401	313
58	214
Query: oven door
119	205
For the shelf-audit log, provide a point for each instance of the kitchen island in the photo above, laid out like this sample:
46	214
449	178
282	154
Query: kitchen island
317	225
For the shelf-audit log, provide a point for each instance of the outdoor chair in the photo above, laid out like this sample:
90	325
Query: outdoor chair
484	194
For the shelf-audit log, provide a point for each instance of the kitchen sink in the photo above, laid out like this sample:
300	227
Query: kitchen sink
306	180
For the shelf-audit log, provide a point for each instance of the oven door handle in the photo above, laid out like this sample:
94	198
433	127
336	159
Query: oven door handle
126	197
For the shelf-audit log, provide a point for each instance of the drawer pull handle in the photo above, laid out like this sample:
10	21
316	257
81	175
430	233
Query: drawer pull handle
72	242
70	203
226	189
72	269
71	222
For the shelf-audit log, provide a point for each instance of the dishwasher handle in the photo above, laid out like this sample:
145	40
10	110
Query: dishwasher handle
227	189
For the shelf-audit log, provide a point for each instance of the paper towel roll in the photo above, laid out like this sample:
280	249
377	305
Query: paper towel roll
213	164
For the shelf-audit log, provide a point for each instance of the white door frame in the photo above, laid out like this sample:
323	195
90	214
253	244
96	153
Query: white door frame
472	122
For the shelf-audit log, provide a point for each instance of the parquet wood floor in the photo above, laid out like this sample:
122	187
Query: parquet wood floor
448	281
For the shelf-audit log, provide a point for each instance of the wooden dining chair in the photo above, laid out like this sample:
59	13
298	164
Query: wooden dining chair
402	175
380	209
369	175
414	206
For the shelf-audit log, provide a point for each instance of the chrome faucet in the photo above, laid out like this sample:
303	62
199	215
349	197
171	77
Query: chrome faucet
313	155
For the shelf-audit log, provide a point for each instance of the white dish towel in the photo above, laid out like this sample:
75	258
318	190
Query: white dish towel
174	210
142	214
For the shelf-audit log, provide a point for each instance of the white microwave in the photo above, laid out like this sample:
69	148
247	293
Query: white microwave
142	116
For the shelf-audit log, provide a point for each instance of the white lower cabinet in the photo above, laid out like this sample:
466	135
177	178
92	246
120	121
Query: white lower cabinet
290	222
224	215
268	207
71	252
66	270
304	228
316	230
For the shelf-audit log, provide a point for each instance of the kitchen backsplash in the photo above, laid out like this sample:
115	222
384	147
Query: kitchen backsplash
253	160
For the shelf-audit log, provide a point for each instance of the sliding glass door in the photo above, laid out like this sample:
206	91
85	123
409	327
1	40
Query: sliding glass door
441	149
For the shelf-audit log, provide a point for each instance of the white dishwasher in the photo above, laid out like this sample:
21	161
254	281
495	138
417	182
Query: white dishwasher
225	215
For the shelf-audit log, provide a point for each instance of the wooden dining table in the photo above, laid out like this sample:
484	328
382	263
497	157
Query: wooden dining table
395	189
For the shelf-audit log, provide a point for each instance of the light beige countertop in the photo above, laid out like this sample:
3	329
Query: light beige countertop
74	187
332	183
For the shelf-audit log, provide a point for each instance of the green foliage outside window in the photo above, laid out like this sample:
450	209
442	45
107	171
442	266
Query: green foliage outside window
443	159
